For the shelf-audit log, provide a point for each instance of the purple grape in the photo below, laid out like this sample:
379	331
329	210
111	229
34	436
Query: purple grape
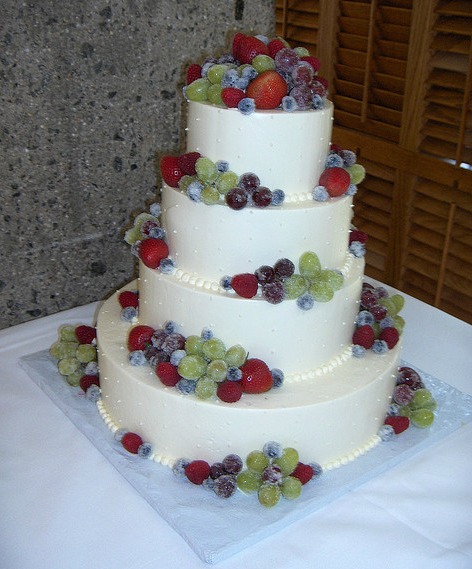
272	474
149	225
286	59
273	292
249	182
302	73
233	464
237	198
284	268
157	338
262	196
402	394
225	486
216	470
303	96
265	274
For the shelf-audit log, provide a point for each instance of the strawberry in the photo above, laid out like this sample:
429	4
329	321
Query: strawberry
85	334
170	171
167	373
313	61
197	471
249	47
152	251
231	96
245	285
398	423
356	235
336	181
391	336
304	472
87	380
238	38
364	336
131	442
139	337
128	298
274	46
186	163
194	71
256	376
267	90
229	391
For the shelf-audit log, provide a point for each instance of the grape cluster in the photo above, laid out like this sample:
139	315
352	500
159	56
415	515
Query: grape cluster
76	355
145	225
414	400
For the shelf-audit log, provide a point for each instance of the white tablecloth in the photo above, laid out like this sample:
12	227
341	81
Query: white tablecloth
64	506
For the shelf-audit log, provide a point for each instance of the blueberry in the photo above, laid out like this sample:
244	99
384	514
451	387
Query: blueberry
194	191
393	410
277	377
249	72
93	393
167	266
222	166
179	467
349	157
170	327
333	160
176	356
364	317
157	233
137	358
91	368
119	434
317	468
352	190
242	83
278	197
386	432
305	301
358	351
273	449
289	104
129	314
357	249
387	322
155	209
145	450
380	347
186	386
207	334
247	106
225	282
318	102
234	374
320	194
230	78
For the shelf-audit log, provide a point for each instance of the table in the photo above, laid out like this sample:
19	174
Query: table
64	506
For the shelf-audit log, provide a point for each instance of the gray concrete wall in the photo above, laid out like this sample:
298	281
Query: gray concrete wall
90	91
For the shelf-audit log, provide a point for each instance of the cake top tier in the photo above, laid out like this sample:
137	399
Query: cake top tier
258	74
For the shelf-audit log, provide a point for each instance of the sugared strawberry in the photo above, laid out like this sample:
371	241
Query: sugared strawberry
128	298
131	442
167	373
245	285
274	46
336	181
152	251
231	96
398	423
356	235
186	163
194	71
229	391
139	337
364	336
391	336
197	471
85	334
87	380
304	472
249	47
313	61
170	170
268	90
256	376
238	38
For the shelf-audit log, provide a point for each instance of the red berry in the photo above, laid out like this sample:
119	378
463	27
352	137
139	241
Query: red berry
249	47
152	251
194	72
364	336
197	471
335	148
313	61
336	181
186	163
131	442
245	285
256	376
170	170
167	373
85	334
304	472
238	38
128	298
268	90
391	336
231	96
87	380
229	391
139	337
398	423
356	235
274	46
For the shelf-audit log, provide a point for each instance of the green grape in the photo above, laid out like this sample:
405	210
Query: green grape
288	461
263	63
206	170
422	418
235	356
389	305
57	350
291	488
217	370
399	323
309	264
216	72
210	195
192	367
257	461
185	182
194	345
248	481
422	399
86	353
214	349
356	172
333	278
399	302
321	292
74	378
226	182
214	94
294	286
67	366
404	411
269	495
69	349
197	90
301	51
134	234
67	333
205	388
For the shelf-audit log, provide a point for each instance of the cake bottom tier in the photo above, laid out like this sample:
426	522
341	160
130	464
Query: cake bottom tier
331	419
